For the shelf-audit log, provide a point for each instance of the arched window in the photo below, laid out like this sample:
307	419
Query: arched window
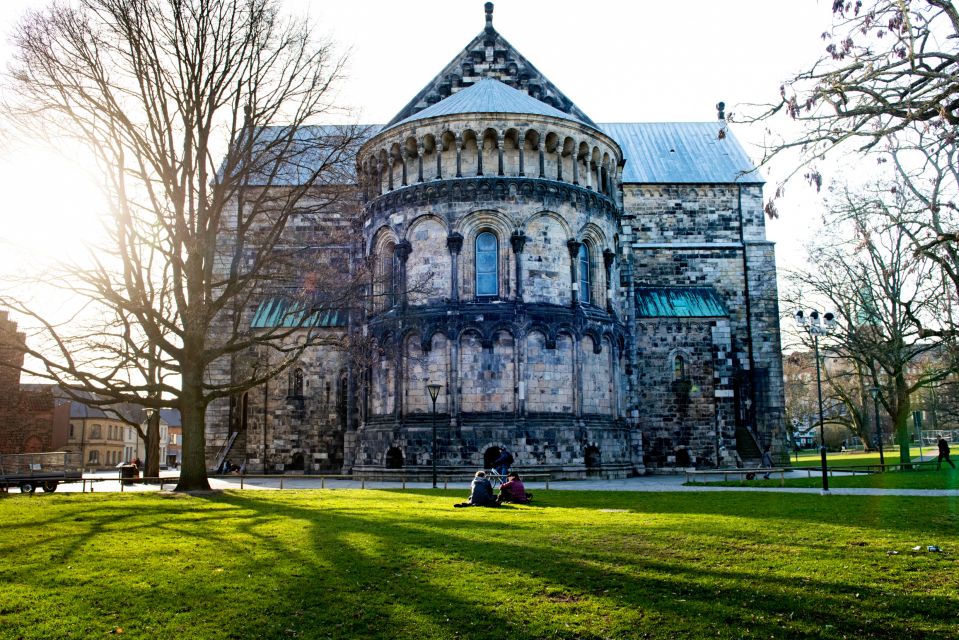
296	383
584	279
679	368
487	271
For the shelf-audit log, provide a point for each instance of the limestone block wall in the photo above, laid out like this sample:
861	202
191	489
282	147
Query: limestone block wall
550	383
424	369
682	213
597	381
546	262
679	416
428	266
487	376
383	386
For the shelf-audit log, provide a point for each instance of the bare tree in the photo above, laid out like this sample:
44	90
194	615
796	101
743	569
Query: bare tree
876	285
201	115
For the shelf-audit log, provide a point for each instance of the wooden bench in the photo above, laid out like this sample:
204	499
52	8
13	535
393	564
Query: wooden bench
725	473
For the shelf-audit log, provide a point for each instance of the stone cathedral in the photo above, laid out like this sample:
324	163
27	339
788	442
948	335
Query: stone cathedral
599	298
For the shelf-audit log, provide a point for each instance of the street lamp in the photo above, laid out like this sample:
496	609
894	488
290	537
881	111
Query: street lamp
816	327
874	392
434	390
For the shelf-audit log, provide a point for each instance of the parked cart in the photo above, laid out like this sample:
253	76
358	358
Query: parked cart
45	470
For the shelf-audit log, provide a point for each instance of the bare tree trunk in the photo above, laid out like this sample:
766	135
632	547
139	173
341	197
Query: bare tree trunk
152	466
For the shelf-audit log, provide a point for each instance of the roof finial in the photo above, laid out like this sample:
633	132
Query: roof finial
721	109
489	16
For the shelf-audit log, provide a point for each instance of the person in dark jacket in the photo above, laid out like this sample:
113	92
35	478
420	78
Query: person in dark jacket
503	462
943	454
481	493
513	490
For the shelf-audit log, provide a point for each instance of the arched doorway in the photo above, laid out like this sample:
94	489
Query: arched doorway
297	463
394	458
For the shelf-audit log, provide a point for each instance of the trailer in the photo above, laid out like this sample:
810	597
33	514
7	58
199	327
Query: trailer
45	470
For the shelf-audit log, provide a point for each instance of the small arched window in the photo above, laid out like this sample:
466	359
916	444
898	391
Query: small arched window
296	382
679	368
584	279
487	262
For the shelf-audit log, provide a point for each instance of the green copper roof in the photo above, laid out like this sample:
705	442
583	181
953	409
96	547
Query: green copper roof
279	312
679	302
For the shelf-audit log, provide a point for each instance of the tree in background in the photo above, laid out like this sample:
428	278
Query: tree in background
877	287
177	102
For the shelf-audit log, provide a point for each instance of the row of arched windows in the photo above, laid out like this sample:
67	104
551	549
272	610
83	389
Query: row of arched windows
486	271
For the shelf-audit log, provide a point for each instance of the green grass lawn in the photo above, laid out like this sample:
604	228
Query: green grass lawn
853	459
924	478
392	564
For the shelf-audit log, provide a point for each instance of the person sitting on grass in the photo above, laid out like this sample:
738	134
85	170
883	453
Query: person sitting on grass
481	493
514	491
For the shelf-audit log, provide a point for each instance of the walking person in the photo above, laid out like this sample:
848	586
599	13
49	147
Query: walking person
767	461
943	454
503	462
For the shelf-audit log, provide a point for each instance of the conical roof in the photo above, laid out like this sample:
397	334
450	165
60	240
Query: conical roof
489	96
489	55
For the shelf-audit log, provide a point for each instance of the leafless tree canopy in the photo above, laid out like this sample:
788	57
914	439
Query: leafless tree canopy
870	277
203	116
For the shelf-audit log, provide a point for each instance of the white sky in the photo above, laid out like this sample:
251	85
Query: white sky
618	61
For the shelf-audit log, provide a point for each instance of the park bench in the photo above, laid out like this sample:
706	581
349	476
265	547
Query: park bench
741	472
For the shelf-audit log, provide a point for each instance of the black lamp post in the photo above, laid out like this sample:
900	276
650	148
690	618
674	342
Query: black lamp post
874	392
434	390
815	328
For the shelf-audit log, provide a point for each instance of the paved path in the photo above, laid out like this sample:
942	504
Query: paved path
107	482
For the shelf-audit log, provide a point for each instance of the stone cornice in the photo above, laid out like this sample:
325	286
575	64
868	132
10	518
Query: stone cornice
482	189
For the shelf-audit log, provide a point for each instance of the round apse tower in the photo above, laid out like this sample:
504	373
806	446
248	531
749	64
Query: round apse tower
491	224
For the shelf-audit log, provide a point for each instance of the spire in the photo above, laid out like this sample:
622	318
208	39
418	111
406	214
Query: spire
489	16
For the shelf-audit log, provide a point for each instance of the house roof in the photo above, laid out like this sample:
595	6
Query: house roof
679	302
489	96
682	152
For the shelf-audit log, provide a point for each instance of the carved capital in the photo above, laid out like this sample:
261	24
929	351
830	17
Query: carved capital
608	257
573	245
454	242
403	250
517	241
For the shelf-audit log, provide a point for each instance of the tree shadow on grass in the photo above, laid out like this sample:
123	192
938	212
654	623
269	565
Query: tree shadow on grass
574	580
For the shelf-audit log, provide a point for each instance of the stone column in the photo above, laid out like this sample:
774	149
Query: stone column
589	171
454	387
439	158
403	158
402	251
480	145
379	177
575	168
614	377
522	169
542	160
573	246
419	156
454	242
459	155
398	386
390	159
518	242
559	161
499	148
608	257
577	378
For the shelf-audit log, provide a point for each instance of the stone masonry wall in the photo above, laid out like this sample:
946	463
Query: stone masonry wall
550	375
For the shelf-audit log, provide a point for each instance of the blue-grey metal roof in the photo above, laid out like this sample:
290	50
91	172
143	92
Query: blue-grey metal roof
281	312
489	96
679	302
282	156
682	152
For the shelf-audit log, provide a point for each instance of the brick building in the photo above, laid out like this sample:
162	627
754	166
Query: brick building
599	298
27	412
